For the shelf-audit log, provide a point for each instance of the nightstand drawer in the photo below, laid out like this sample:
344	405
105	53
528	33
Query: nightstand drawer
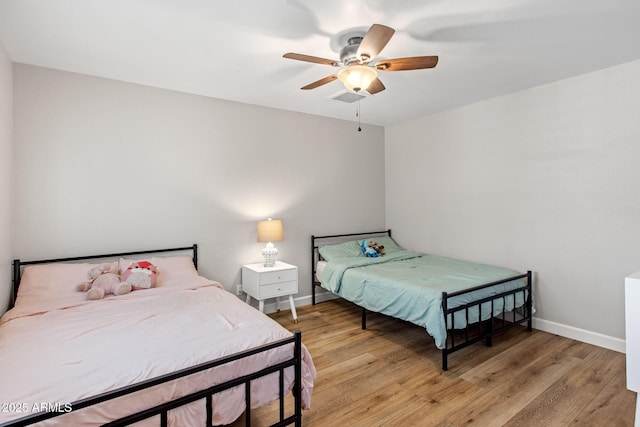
278	276
277	289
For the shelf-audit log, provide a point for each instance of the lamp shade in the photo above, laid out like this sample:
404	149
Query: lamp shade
270	230
357	77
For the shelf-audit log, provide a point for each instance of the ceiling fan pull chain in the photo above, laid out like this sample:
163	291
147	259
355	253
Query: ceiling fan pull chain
358	116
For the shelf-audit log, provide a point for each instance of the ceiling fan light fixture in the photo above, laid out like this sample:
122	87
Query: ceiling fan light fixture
357	77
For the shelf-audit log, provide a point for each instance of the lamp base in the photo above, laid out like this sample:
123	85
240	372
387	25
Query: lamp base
269	253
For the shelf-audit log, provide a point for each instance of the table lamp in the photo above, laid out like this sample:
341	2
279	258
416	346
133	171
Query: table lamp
270	231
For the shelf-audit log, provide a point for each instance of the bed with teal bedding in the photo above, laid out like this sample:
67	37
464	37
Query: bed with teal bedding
457	302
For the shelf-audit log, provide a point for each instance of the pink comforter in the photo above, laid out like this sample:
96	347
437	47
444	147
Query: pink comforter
56	351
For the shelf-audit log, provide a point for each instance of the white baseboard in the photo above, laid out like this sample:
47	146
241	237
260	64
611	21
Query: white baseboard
272	307
578	334
582	335
321	296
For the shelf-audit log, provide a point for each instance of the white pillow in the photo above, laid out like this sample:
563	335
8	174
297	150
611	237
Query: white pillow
172	271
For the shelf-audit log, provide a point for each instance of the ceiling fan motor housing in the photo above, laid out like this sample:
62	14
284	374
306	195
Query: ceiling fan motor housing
349	53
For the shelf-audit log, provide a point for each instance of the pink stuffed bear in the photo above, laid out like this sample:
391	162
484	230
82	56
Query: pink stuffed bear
103	280
140	275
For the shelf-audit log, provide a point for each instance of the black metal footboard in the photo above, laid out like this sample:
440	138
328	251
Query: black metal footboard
163	409
484	330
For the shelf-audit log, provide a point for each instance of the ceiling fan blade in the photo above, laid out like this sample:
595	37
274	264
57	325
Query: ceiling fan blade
374	41
411	63
309	58
375	87
320	82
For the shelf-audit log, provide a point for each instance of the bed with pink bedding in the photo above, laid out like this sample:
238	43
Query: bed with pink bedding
58	351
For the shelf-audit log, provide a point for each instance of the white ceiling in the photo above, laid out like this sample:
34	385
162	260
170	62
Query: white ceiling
233	49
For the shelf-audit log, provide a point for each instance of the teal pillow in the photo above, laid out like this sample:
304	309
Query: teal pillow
341	250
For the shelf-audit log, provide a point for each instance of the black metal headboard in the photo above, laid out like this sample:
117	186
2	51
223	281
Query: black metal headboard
17	264
334	238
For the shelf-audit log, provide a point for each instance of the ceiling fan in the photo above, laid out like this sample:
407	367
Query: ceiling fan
358	72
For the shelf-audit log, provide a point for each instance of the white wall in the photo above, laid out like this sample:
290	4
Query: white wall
546	179
103	165
6	174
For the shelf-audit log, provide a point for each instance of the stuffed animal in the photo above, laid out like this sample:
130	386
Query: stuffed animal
371	248
141	275
378	248
103	280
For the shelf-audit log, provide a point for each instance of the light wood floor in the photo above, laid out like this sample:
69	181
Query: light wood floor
389	375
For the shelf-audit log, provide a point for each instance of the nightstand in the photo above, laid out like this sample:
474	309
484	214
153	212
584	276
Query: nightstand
262	282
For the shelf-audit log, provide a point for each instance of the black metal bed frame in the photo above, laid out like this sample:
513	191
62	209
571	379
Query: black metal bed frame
163	409
457	339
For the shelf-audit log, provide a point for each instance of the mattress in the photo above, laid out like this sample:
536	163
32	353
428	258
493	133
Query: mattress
320	266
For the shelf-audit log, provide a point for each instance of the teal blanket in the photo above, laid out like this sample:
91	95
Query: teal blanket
409	285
